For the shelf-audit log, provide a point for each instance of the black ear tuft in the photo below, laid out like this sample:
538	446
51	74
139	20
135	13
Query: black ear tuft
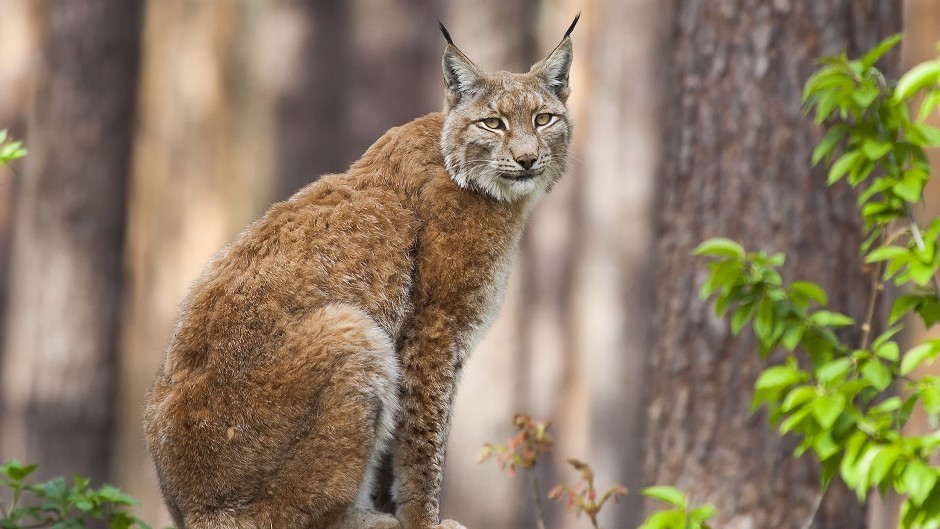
447	34
567	33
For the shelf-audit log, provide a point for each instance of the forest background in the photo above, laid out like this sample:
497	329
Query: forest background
158	129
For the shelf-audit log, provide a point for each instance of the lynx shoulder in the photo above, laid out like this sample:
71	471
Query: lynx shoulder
313	365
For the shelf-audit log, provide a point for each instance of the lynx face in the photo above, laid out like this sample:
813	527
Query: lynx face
506	134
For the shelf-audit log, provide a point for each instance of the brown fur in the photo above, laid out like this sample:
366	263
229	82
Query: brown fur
331	333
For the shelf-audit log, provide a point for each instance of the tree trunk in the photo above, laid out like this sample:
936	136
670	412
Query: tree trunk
202	172
361	67
736	164
59	362
18	39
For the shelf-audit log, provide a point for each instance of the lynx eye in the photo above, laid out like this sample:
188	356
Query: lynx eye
543	119
493	123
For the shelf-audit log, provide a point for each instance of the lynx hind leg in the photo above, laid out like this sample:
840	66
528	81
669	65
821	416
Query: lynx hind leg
342	356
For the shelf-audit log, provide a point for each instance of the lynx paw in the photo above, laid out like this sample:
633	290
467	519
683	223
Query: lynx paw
448	524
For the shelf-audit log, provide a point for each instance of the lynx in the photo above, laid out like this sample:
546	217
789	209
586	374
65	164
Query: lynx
313	365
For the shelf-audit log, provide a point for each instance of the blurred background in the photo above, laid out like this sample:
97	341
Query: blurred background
157	129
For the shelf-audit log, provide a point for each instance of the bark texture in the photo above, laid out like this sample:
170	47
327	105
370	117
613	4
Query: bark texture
60	351
736	157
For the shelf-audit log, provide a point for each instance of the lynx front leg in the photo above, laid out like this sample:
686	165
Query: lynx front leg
429	365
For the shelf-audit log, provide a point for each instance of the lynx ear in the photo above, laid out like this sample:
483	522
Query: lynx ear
460	74
553	70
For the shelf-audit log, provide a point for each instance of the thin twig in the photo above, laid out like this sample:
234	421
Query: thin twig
876	287
815	511
539	513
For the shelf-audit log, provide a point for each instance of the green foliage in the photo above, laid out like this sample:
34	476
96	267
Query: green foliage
839	399
679	515
56	505
10	150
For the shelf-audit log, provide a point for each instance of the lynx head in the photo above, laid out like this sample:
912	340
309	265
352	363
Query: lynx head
506	134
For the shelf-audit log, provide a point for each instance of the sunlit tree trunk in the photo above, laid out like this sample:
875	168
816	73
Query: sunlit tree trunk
735	164
202	171
18	40
59	362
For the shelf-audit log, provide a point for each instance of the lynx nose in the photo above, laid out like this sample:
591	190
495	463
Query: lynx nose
526	161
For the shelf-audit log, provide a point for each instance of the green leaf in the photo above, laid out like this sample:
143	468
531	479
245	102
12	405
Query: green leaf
798	396
764	323
918	354
824	446
827	408
875	149
866	95
778	376
918	77
930	398
828	143
741	316
826	318
888	405
791	337
919	479
665	520
881	465
888	351
923	135
906	409
929	311
16	470
705	512
876	373
809	290
885	336
833	369
665	494
930	102
796	419
114	495
920	273
848	468
884	253
719	247
880	49
842	166
901	306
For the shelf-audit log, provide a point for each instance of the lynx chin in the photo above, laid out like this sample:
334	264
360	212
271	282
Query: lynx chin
309	380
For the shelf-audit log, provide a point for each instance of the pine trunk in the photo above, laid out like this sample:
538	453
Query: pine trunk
60	350
736	164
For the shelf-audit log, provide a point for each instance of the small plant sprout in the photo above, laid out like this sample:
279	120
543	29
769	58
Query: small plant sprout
523	451
583	497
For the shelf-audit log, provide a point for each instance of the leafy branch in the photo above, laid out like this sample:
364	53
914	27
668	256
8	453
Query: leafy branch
837	398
